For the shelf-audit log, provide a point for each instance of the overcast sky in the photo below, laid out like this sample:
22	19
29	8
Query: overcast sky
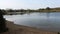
29	4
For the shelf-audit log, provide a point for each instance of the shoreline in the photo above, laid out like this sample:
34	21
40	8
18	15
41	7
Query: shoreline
20	29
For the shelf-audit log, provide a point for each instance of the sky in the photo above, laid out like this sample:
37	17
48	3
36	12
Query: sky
28	4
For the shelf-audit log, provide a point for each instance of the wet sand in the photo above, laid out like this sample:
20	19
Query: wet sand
20	29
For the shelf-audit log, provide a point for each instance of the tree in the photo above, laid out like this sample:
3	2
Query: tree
10	10
48	8
22	10
4	12
2	23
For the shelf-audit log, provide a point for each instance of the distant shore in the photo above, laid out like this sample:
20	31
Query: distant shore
23	11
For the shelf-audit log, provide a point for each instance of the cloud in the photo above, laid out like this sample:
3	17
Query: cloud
32	4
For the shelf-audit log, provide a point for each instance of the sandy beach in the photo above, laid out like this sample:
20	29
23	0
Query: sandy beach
19	29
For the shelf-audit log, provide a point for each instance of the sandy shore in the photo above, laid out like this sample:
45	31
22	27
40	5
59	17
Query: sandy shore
19	29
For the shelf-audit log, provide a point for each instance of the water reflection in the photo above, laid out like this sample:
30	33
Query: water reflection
47	21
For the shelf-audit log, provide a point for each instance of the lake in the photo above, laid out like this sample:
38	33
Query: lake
45	21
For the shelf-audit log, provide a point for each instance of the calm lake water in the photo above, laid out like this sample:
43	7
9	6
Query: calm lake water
46	21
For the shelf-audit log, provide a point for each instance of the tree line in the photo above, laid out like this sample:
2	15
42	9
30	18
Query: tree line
48	9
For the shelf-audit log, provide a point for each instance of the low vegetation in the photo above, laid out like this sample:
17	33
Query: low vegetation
21	11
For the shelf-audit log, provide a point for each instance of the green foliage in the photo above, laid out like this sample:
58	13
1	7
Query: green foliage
48	8
2	23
